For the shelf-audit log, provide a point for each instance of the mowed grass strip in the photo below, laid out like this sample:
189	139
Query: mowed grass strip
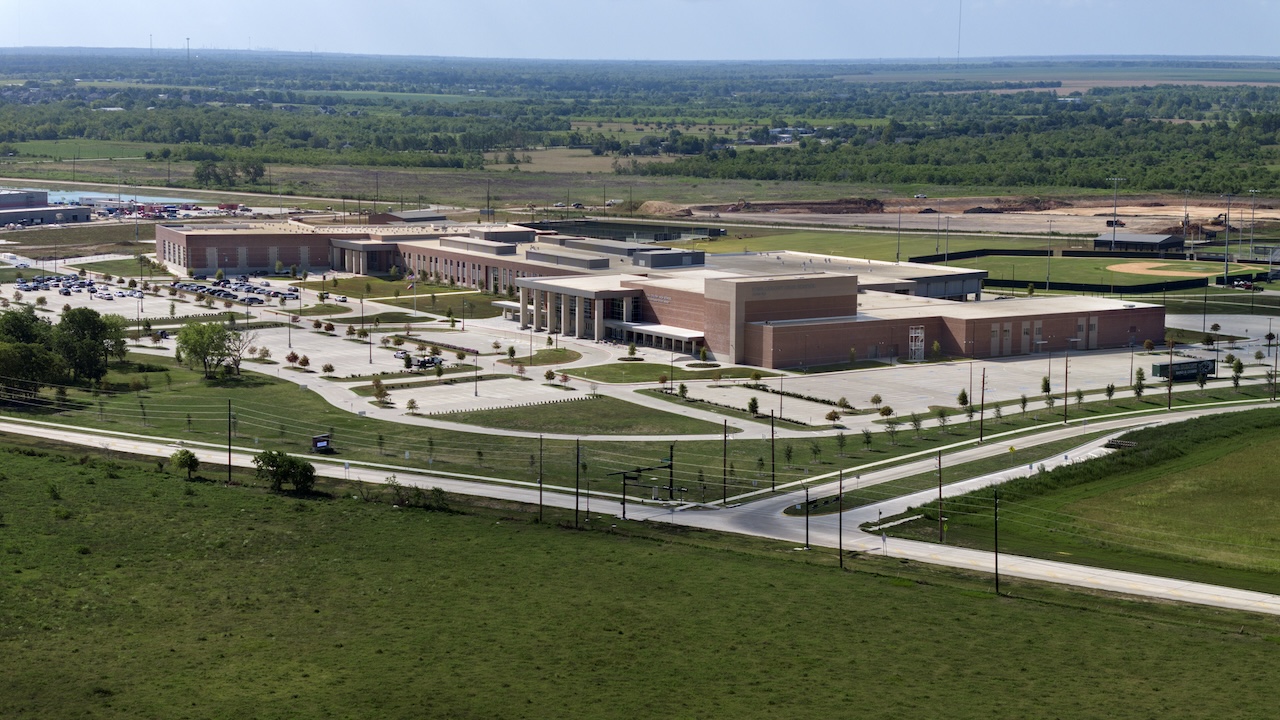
1192	501
644	371
146	595
598	415
1089	270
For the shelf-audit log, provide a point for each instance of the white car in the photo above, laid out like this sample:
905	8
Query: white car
341	298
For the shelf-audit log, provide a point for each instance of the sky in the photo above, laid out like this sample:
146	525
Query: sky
665	29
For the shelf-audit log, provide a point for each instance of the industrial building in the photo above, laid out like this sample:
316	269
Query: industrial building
770	309
31	207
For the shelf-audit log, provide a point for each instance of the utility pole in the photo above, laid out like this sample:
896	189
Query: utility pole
228	442
773	455
982	405
940	536
1253	215
671	471
806	517
996	510
840	524
539	478
577	468
1226	244
724	464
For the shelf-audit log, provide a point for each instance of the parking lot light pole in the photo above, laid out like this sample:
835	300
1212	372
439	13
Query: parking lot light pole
1066	370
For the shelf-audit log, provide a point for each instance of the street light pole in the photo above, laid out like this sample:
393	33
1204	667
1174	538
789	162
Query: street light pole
1115	198
1253	214
1066	369
1226	243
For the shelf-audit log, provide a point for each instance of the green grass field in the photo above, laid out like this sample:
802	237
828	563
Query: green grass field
873	245
477	305
68	149
83	239
1086	270
124	268
600	415
637	372
134	593
1193	500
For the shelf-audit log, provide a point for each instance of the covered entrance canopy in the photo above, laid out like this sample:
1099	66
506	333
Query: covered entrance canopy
667	337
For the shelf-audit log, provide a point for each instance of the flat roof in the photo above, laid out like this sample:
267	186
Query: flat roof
874	305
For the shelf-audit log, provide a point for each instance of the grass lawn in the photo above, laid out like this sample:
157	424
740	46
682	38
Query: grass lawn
477	305
354	287
547	356
873	245
598	415
1194	500
124	268
323	309
634	372
719	409
145	595
104	236
950	474
389	319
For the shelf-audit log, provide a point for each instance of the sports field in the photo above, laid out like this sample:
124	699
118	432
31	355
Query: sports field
1102	271
874	245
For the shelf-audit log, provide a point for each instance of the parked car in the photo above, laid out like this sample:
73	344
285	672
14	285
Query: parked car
341	298
402	354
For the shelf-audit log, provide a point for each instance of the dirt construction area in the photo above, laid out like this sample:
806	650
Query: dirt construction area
1026	215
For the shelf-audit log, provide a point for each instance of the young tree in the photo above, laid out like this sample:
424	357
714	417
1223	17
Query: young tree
291	358
833	416
753	405
917	423
963	398
891	429
278	468
683	392
380	392
787	452
511	353
841	441
866	438
1022	403
238	345
631	350
550	375
1079	397
327	368
1044	385
185	460
876	400
1139	383
999	413
943	418
304	362
1201	380
411	406
1148	345
1110	392
205	343
886	411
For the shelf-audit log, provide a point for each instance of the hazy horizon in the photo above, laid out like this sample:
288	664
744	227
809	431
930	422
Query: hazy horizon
677	30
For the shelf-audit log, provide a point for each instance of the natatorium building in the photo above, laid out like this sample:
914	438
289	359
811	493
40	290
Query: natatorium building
773	309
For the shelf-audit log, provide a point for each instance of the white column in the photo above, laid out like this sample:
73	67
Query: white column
564	313
539	297
597	308
580	316
524	308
